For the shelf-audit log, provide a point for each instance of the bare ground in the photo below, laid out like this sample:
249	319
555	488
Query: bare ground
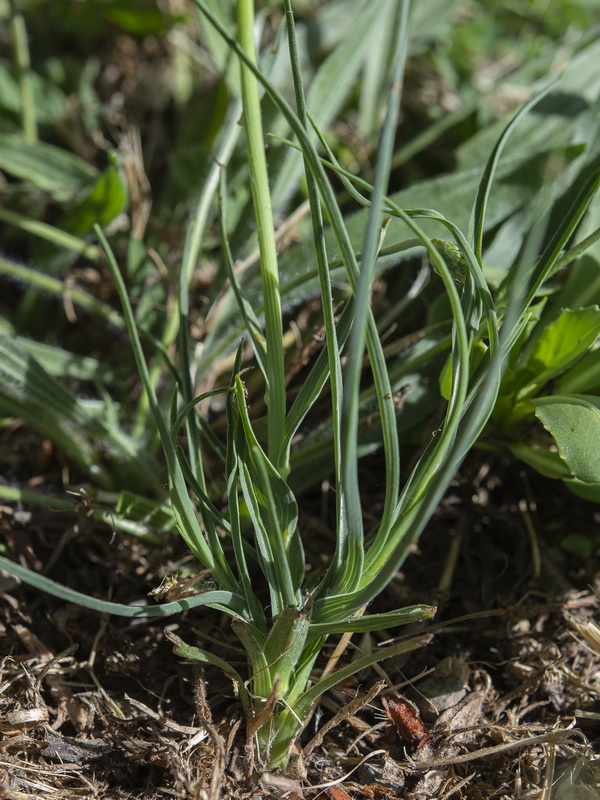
502	702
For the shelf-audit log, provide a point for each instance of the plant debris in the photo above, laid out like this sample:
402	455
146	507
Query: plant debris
501	703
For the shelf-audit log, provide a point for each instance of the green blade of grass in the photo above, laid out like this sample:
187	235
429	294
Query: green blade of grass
230	602
212	556
273	510
481	199
329	366
354	556
374	622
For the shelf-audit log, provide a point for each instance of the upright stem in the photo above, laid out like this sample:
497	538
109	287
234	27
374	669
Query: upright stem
261	198
23	64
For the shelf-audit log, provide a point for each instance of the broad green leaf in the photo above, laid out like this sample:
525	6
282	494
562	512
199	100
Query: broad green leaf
138	18
574	422
561	344
580	545
561	116
28	392
60	173
105	201
581	287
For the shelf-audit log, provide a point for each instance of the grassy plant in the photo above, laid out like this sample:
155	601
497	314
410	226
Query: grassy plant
283	627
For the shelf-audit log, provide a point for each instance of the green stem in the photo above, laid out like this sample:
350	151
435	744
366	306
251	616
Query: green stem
575	252
23	65
261	197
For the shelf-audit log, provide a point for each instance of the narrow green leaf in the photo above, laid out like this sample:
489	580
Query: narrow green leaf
545	462
137	508
284	646
303	704
269	496
583	377
476	226
229	602
196	654
269	267
246	310
62	363
212	556
587	491
49	233
374	622
28	391
334	80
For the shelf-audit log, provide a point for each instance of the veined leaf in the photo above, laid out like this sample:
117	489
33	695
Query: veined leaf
28	391
574	422
49	168
560	345
513	188
374	622
135	507
62	363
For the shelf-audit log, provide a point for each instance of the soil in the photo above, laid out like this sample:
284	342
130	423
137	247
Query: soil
501	702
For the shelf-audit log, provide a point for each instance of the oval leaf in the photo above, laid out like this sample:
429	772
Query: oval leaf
575	426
